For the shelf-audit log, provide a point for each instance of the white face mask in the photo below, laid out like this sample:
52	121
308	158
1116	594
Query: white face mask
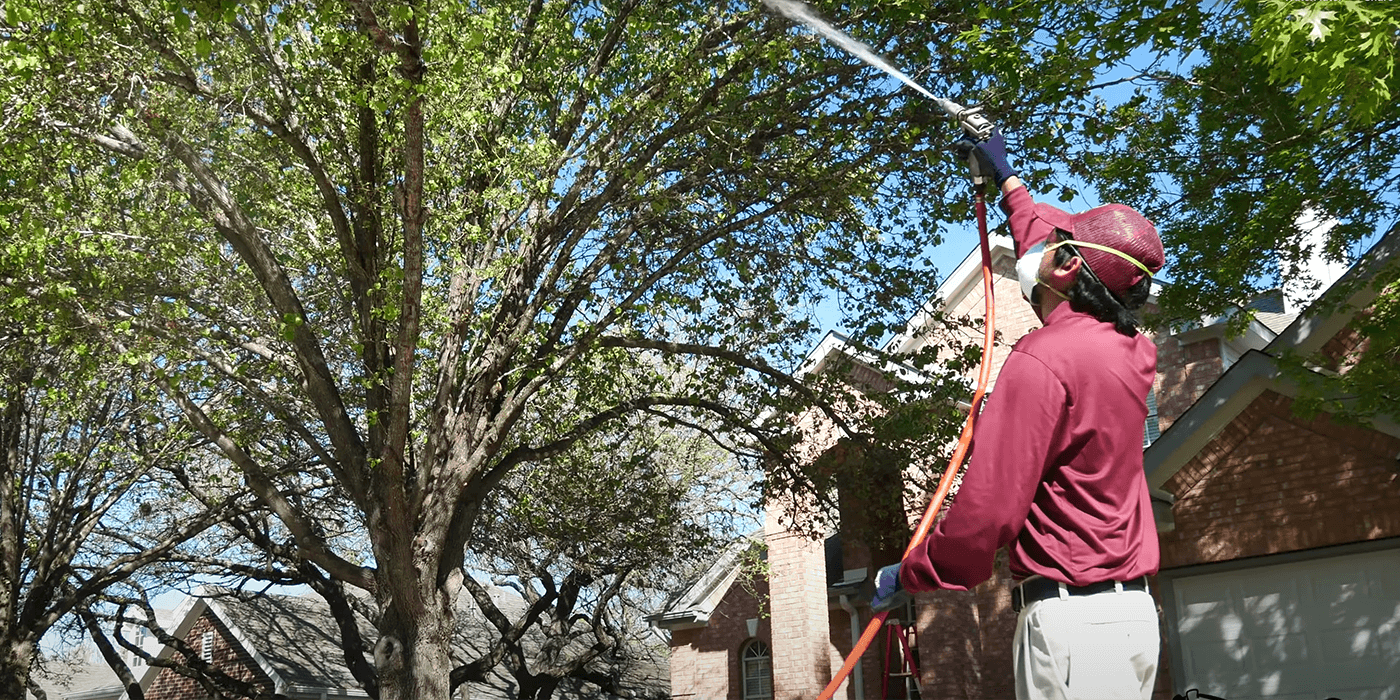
1028	269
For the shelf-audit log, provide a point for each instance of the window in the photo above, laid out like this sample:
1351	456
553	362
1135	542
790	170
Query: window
206	647
758	671
1150	431
140	643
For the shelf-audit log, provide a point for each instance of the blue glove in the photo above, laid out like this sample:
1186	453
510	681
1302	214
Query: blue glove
888	593
986	157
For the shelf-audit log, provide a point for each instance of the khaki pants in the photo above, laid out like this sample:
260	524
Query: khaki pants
1094	647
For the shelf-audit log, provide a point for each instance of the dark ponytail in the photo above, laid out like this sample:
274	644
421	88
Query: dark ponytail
1089	296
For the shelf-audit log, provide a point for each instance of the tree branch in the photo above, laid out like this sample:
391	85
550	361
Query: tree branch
229	218
738	359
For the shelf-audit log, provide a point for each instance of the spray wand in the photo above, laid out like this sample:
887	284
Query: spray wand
971	119
980	129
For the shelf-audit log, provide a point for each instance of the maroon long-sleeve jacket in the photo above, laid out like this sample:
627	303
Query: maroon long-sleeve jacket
1055	470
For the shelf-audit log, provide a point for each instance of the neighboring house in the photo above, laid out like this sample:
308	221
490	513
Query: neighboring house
286	644
1281	570
1280	539
720	637
83	675
289	645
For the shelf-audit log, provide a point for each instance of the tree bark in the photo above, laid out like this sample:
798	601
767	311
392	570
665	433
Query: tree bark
14	668
414	654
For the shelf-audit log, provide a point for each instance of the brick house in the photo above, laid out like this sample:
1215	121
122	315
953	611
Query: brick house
282	644
288	647
83	675
1280	539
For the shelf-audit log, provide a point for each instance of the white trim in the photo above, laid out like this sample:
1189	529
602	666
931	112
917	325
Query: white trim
324	692
1256	335
961	281
94	694
694	606
279	684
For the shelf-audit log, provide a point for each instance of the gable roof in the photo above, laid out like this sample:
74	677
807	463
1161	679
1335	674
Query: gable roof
962	280
75	678
694	606
1258	371
294	639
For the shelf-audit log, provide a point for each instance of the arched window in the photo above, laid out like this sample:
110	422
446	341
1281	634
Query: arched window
757	666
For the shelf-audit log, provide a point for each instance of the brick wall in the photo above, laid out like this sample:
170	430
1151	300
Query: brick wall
965	640
1014	317
1184	372
228	656
802	638
1345	348
950	644
998	630
1273	482
705	662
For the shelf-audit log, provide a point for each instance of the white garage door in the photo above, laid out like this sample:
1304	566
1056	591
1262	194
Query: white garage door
1310	630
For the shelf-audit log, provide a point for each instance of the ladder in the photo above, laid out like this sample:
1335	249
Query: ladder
907	666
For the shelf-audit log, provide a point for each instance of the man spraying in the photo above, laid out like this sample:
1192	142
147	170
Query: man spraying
1056	469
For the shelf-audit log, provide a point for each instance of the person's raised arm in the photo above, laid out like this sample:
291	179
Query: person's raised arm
989	158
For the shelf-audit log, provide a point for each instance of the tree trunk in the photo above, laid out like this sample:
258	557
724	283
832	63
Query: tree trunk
542	690
414	654
14	668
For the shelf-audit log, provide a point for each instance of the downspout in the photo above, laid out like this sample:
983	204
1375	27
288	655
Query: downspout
857	678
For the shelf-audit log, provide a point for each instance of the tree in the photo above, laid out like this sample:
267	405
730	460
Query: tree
1285	117
594	540
1337	58
436	244
89	498
95	493
401	232
1229	126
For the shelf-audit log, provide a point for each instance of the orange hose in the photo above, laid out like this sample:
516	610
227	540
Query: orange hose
945	484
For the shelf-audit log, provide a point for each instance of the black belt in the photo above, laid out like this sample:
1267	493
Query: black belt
1031	590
